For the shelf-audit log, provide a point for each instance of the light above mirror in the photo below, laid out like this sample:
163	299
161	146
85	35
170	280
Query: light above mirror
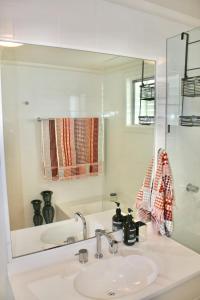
9	44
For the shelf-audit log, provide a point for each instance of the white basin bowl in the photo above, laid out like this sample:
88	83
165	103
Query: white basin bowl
59	235
116	277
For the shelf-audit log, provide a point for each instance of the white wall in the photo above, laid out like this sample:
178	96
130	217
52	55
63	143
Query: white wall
128	148
51	92
91	25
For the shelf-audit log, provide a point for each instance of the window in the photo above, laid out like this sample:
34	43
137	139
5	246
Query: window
133	102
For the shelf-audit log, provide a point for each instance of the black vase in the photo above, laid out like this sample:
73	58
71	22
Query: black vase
37	217
48	210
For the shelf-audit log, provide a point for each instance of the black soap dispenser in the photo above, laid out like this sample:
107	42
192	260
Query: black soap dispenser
117	219
129	229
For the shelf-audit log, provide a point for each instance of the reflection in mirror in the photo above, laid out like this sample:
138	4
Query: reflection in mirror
74	140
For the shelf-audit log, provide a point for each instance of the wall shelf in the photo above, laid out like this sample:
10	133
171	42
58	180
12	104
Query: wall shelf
189	121
190	87
147	93
146	120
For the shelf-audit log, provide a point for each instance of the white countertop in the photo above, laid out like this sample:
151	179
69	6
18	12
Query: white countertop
49	275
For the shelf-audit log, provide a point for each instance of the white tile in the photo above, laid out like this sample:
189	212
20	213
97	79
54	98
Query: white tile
77	24
33	23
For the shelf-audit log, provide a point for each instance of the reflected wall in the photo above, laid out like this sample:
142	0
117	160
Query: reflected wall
44	83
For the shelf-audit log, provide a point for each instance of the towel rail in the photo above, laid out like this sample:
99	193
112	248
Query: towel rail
76	116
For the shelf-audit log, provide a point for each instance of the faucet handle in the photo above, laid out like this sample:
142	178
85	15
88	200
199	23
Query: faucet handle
113	247
99	232
83	255
77	215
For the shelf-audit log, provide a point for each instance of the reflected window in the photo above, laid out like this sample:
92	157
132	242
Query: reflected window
133	110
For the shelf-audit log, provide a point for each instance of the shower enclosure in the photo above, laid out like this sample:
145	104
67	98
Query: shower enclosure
183	133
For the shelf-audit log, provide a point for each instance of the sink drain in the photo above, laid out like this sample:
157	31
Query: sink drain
111	293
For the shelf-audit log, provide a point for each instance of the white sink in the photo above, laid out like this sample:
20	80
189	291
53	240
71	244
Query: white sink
116	277
59	235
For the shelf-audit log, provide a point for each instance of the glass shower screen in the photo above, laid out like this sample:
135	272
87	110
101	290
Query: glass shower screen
183	133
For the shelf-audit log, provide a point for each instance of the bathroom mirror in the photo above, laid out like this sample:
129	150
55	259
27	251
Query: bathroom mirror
78	135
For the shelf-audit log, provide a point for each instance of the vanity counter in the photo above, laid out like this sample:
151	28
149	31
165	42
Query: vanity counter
49	275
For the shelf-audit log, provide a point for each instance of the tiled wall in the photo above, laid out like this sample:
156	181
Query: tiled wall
51	92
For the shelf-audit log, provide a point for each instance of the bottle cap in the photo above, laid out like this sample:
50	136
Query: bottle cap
113	194
130	211
118	210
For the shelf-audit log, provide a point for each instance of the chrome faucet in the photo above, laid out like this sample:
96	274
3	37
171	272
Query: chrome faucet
81	216
83	256
113	244
192	188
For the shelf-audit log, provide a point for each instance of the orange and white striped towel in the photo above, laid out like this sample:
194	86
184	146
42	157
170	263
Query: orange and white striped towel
160	196
72	147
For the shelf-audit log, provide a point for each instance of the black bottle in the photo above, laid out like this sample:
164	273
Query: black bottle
129	230
138	224
117	219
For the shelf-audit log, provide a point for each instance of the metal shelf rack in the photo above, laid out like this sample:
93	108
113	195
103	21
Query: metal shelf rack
147	93
190	86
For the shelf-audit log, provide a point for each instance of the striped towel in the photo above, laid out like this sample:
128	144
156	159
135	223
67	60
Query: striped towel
143	199
158	204
71	147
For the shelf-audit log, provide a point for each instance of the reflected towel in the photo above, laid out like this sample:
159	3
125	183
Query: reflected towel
157	206
71	147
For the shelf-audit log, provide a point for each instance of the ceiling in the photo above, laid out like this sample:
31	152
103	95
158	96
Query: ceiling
61	57
187	7
183	11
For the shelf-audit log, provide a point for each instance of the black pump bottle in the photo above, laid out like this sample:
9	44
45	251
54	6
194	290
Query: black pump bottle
117	219
129	229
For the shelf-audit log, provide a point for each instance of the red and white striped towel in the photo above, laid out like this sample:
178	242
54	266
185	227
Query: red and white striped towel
143	199
155	199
